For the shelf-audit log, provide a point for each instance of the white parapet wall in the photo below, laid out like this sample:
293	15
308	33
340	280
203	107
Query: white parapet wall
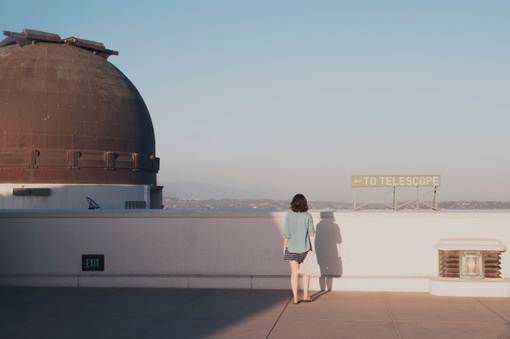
69	197
363	251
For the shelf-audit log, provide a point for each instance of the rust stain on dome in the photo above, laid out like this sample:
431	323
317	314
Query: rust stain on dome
67	115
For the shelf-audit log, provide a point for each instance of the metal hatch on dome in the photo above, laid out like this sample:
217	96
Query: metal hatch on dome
32	36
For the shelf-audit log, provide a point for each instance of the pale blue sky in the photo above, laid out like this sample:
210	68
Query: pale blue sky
295	96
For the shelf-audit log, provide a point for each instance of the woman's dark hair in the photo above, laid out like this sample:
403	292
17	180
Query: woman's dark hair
299	203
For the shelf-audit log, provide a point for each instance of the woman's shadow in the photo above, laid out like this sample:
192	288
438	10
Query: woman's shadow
327	248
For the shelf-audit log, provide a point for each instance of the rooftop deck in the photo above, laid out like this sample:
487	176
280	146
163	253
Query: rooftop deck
58	312
204	275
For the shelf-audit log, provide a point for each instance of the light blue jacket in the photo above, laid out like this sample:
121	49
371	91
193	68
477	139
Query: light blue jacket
298	228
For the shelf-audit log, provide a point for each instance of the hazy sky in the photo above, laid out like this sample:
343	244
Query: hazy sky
293	96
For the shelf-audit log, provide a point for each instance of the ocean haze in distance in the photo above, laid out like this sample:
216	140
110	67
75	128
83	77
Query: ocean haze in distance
195	196
208	191
196	190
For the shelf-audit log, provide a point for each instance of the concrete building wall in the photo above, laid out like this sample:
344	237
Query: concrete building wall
74	196
359	250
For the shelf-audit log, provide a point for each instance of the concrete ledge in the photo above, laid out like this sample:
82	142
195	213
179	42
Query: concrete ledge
469	288
434	286
371	284
470	244
383	284
39	280
151	281
275	282
166	281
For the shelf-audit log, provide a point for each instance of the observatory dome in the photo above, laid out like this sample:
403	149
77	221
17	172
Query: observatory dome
69	116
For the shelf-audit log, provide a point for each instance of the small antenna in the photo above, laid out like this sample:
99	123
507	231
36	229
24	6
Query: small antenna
92	204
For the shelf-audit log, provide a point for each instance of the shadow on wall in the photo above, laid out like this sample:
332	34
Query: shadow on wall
327	248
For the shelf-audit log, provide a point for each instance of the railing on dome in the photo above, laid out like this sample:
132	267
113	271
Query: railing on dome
31	36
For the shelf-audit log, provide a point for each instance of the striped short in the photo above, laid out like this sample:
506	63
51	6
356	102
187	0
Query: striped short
299	257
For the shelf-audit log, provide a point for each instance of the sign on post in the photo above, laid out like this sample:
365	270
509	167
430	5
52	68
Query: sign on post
401	181
395	180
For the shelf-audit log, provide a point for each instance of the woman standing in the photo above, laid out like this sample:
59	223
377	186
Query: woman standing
296	243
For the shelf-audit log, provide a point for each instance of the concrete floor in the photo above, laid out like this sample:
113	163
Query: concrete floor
53	313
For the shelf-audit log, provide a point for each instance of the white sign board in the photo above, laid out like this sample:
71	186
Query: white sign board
395	180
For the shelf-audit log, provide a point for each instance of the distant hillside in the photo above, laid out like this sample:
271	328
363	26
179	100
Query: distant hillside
196	190
187	195
182	204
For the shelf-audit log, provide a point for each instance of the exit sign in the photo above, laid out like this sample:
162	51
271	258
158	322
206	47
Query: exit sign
92	262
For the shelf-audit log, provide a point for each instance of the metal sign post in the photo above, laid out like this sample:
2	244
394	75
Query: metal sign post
401	181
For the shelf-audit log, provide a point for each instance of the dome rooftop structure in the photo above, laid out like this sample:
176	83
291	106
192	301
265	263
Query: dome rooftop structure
69	116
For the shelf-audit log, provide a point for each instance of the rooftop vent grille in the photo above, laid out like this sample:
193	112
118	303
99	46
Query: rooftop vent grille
464	264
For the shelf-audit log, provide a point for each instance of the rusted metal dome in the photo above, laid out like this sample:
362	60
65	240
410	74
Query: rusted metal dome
69	116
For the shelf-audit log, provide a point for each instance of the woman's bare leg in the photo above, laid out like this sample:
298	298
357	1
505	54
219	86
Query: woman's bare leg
306	287
294	279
